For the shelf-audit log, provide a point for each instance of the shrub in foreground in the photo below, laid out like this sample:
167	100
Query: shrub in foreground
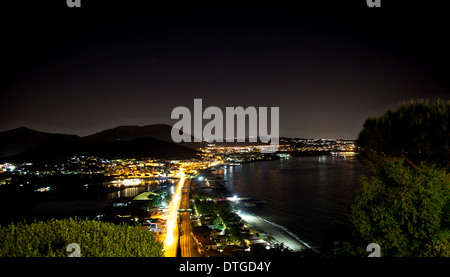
95	238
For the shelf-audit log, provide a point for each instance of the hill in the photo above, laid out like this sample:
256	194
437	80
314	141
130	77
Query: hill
21	139
128	133
23	144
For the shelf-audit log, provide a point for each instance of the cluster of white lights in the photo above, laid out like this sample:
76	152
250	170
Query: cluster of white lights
127	182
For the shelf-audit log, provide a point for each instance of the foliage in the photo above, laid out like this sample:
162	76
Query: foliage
95	238
416	132
405	206
235	236
222	212
406	211
223	218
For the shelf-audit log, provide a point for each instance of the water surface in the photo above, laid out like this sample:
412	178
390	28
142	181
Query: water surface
303	194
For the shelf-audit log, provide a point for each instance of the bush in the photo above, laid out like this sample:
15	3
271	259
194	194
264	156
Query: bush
405	211
95	238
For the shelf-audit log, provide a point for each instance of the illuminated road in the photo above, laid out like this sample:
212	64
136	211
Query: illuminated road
186	243
171	240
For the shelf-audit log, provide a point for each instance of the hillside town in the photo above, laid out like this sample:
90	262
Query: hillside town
142	191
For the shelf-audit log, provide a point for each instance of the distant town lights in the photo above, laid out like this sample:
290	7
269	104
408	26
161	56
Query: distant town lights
257	124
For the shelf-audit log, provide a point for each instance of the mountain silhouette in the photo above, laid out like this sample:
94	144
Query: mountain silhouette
23	144
128	133
22	139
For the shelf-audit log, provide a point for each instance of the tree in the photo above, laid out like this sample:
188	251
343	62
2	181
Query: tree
416	132
406	211
405	206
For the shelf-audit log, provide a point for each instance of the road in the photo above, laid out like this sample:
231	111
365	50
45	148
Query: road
171	240
186	243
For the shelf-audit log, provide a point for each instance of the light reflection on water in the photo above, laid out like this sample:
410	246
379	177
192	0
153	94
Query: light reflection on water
69	207
135	190
303	194
127	192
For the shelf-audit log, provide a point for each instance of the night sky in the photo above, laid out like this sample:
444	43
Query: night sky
327	66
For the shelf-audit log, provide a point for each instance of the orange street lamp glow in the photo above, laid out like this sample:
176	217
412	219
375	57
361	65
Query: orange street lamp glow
171	240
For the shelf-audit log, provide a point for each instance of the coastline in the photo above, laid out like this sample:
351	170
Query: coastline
279	233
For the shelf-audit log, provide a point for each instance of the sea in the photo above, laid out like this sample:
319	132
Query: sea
302	195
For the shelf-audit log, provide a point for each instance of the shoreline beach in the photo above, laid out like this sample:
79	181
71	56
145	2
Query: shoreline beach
277	232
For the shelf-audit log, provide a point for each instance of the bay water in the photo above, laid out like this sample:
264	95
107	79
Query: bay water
302	195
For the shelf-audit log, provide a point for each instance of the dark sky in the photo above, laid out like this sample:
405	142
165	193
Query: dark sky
327	66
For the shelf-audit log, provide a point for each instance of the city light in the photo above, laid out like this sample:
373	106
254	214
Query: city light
171	240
